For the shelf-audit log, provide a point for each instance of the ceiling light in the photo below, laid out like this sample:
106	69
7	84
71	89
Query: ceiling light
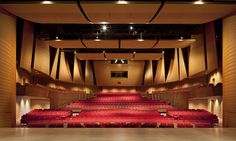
103	52
198	2
134	52
141	37
131	27
104	27
97	38
163	52
47	2
122	2
116	61
181	39
57	39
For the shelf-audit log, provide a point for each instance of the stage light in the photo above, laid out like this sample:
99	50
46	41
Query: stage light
140	39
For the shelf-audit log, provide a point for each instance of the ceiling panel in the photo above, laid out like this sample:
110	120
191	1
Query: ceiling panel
101	44
174	43
90	56
51	13
66	44
138	44
192	14
126	56
117	13
147	56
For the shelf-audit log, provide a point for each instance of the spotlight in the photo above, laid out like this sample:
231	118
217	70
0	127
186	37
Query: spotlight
122	2
57	39
198	2
47	2
141	37
131	27
97	38
181	39
103	52
134	52
104	27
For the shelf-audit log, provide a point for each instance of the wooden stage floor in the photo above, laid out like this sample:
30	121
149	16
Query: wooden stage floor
117	134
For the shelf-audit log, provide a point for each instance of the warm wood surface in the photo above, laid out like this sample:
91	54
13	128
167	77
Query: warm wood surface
129	134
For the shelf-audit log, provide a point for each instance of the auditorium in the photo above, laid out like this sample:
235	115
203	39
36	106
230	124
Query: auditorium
117	70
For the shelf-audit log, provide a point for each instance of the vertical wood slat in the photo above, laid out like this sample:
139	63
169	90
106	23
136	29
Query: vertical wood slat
148	76
229	71
8	70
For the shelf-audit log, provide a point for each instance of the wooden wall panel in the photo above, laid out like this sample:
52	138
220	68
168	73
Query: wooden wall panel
64	72
196	56
77	78
148	76
42	57
160	71
54	67
8	70
89	73
27	46
173	74
211	47
182	68
229	71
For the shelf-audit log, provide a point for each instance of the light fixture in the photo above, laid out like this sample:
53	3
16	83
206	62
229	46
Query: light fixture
103	51
57	39
198	2
163	52
104	27
141	37
181	39
122	61
134	52
97	38
116	61
122	2
47	2
131	27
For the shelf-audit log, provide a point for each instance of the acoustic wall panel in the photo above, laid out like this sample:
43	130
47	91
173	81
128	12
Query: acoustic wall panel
148	76
160	71
77	78
229	71
55	64
64	72
42	57
182	68
27	46
8	70
88	73
196	56
173	74
211	47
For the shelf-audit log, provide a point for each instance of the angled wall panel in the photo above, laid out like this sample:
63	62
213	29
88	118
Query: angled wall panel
173	74
148	76
211	47
27	46
196	56
54	67
42	57
64	72
182	68
160	71
88	73
8	70
77	78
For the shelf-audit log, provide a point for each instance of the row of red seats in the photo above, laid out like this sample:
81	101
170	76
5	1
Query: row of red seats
193	115
45	114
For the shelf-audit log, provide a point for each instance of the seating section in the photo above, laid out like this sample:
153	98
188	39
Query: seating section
46	114
119	110
119	101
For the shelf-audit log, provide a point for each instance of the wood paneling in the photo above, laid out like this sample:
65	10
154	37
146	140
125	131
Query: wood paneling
77	78
89	73
8	70
211	47
64	72
148	74
229	71
196	56
173	74
160	71
42	57
27	46
182	68
55	63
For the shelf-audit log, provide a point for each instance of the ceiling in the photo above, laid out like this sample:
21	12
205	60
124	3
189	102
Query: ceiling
136	12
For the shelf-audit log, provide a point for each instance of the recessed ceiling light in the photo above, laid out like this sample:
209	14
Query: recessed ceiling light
57	39
198	2
104	27
141	37
122	2
47	2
